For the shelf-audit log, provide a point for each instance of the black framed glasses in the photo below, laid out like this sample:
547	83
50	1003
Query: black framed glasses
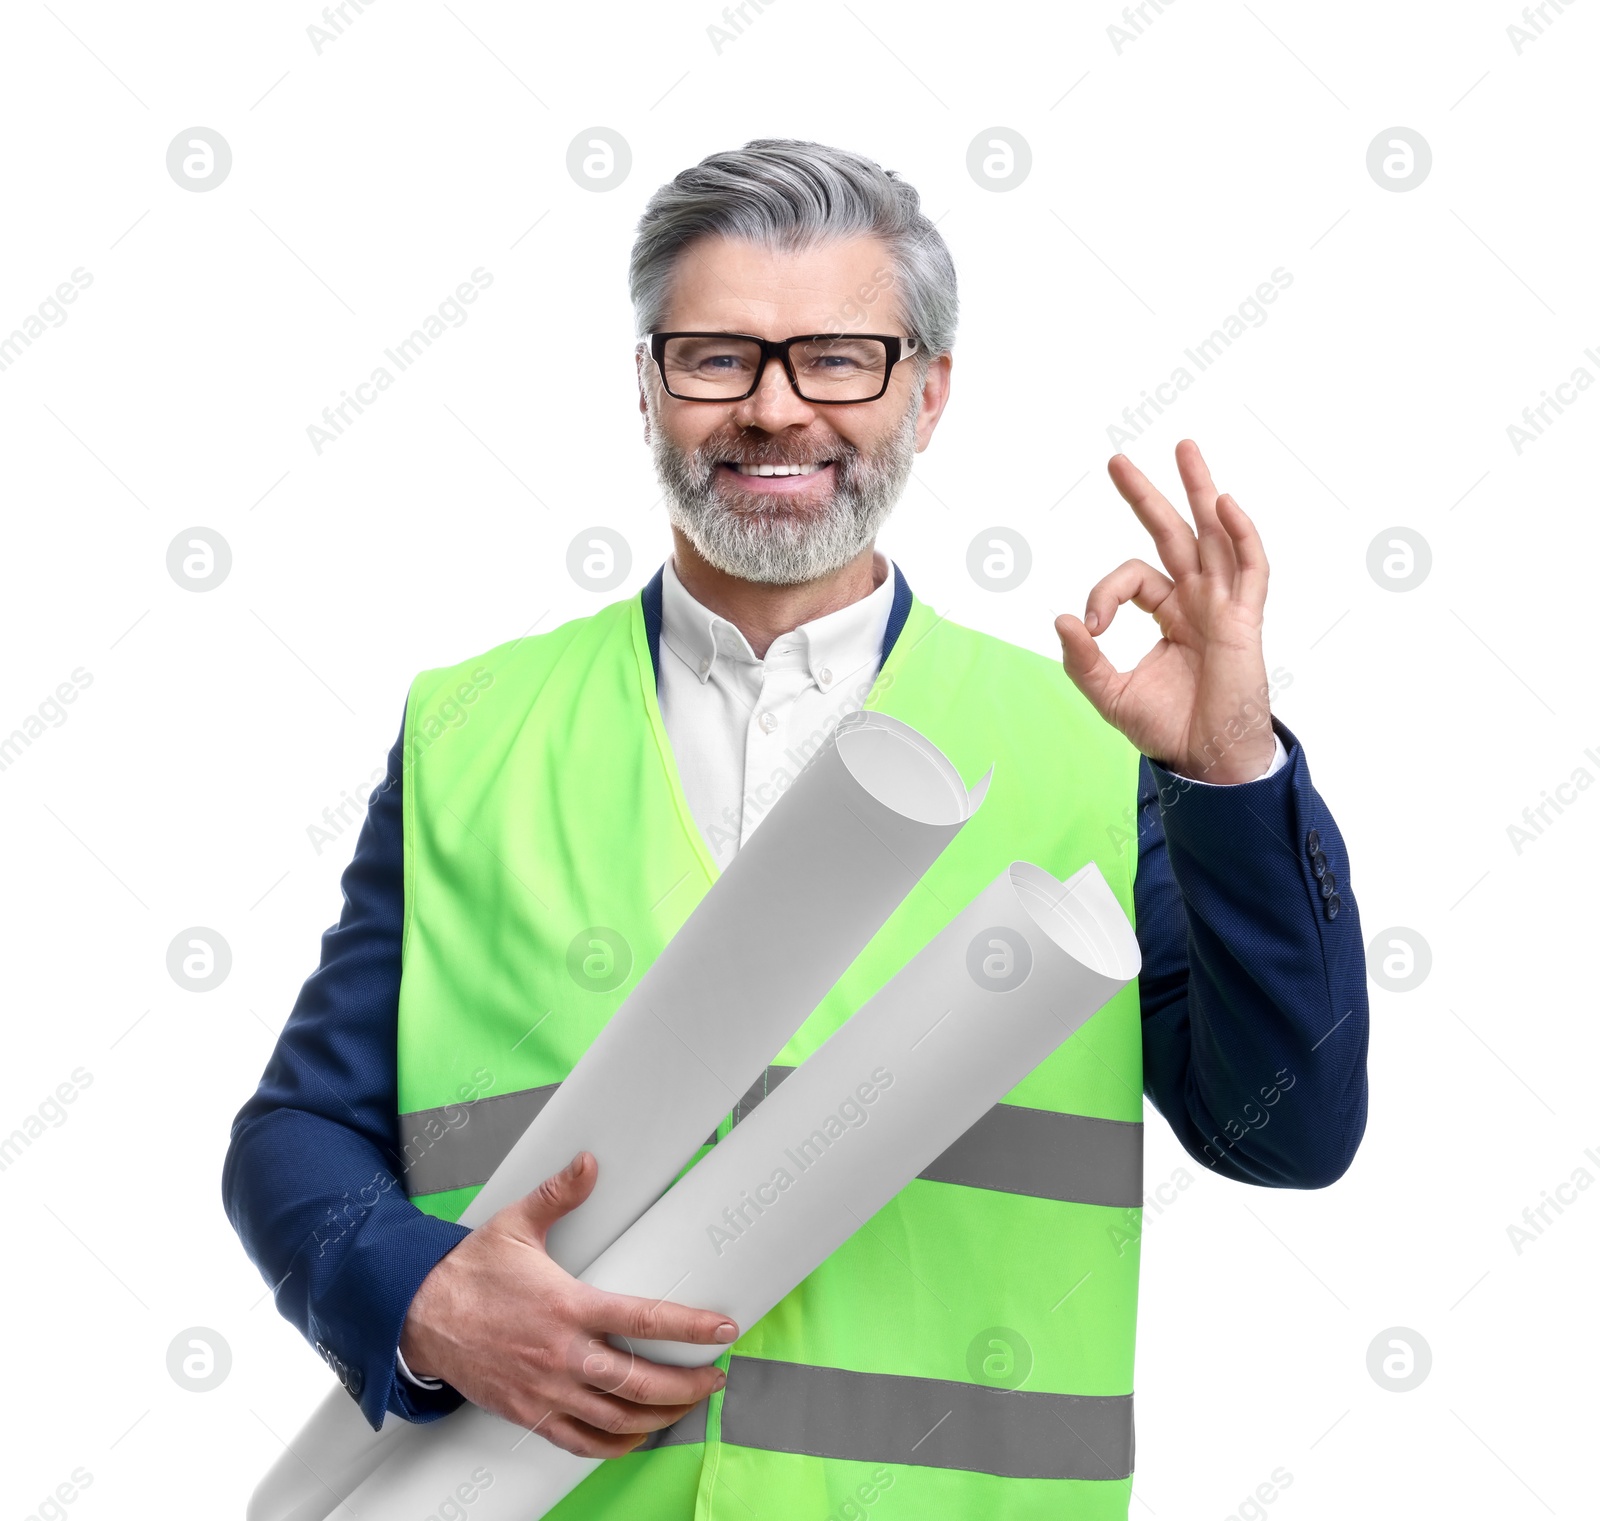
831	369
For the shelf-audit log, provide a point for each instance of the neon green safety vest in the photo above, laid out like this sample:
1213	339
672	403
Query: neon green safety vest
969	1352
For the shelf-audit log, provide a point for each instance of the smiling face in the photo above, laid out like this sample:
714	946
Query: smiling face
775	488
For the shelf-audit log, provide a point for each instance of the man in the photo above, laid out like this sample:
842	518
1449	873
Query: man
970	1351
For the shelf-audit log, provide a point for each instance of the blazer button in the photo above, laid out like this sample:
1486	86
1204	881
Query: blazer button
1313	842
1330	906
1319	863
1327	885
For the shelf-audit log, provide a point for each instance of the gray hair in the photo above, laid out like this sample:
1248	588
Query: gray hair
786	194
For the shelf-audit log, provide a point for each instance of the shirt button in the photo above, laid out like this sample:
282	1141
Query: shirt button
824	677
705	665
768	722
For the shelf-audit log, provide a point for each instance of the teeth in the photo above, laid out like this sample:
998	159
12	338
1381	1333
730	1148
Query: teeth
776	469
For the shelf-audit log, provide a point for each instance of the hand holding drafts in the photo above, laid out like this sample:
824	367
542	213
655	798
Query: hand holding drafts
1197	702
548	1366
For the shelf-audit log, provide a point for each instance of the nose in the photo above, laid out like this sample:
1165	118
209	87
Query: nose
775	405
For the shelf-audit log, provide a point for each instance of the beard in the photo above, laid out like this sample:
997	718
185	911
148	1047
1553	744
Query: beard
772	539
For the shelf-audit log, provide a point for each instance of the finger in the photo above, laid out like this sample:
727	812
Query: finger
542	1405
584	1440
617	1417
562	1192
1091	672
637	1379
1133	581
1175	541
1216	546
1250	584
652	1385
653	1319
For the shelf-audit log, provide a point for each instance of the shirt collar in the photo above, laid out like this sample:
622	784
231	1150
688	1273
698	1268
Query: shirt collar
828	648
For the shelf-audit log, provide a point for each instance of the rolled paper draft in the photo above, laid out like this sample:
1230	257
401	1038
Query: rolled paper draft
1011	977
844	845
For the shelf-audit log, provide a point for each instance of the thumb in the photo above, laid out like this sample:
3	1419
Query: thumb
559	1194
1086	664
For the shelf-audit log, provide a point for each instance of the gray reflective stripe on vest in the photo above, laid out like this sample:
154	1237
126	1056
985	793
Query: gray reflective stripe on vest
459	1145
1070	1157
758	1090
927	1422
1014	1150
1011	1149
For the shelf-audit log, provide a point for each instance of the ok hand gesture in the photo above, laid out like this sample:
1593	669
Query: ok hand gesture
1197	702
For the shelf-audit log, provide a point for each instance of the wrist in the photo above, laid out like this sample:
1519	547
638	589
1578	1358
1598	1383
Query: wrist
419	1345
412	1356
1233	764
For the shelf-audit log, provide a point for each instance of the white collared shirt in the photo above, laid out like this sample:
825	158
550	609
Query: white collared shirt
742	726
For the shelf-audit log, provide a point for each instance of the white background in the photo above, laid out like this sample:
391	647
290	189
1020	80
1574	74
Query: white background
1168	180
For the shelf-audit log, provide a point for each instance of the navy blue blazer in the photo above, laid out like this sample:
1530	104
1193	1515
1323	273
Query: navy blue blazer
1253	1009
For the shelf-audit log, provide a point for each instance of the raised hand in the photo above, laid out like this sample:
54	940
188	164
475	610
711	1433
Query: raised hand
1197	702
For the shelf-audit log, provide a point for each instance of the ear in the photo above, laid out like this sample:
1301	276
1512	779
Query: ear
639	358
935	393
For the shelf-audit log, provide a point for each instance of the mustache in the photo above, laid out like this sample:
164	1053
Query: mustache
766	452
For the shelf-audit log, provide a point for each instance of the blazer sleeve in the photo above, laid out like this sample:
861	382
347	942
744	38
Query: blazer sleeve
1253	989
313	1176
